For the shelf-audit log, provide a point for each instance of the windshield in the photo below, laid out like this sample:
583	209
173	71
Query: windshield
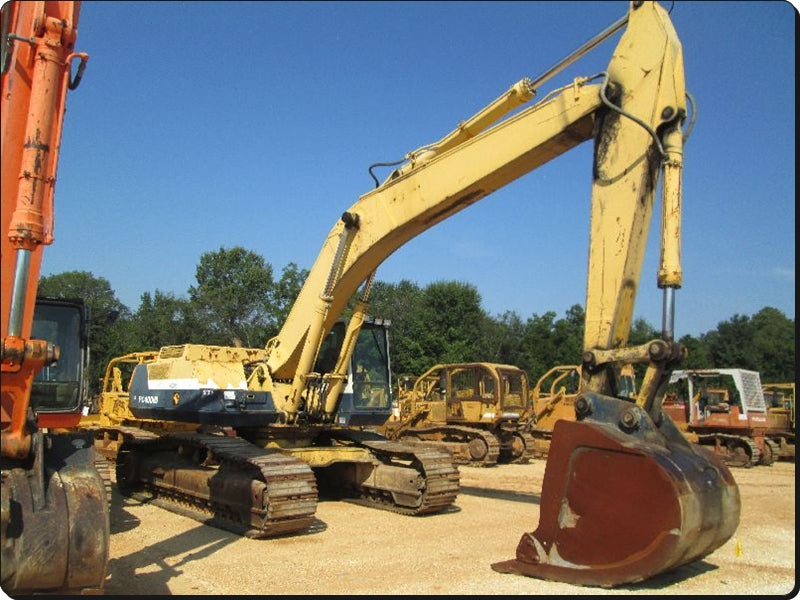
370	368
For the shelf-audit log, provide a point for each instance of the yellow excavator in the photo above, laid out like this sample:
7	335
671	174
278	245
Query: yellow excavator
624	497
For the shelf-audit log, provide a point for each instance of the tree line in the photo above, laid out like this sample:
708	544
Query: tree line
239	299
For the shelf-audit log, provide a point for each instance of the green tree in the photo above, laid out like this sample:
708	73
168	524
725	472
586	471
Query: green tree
642	332
568	336
731	343
285	293
452	323
538	352
164	320
233	296
548	341
774	345
504	338
699	353
764	342
443	322
400	303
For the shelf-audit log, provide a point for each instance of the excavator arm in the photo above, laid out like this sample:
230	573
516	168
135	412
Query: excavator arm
411	202
634	111
37	51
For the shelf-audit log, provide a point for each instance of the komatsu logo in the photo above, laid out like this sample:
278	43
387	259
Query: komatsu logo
147	399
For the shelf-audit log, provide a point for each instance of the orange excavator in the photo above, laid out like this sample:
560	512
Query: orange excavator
55	529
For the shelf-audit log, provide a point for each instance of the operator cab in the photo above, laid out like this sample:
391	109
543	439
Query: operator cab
61	386
366	398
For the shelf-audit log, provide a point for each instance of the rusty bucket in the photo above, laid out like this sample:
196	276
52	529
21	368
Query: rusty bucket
55	524
624	500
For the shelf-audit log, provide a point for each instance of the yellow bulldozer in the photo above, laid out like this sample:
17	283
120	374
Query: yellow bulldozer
471	409
553	399
779	398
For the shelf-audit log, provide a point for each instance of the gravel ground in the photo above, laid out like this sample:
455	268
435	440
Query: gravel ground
356	550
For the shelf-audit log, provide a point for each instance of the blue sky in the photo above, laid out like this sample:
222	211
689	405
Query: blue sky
201	125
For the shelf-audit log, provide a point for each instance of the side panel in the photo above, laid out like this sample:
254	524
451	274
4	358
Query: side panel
189	403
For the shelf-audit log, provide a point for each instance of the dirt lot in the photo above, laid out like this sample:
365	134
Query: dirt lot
356	550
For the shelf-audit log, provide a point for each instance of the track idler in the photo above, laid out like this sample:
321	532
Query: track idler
55	528
624	500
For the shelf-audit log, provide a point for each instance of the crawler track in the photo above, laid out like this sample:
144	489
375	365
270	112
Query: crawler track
220	480
529	453
230	483
429	481
735	450
769	452
468	445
